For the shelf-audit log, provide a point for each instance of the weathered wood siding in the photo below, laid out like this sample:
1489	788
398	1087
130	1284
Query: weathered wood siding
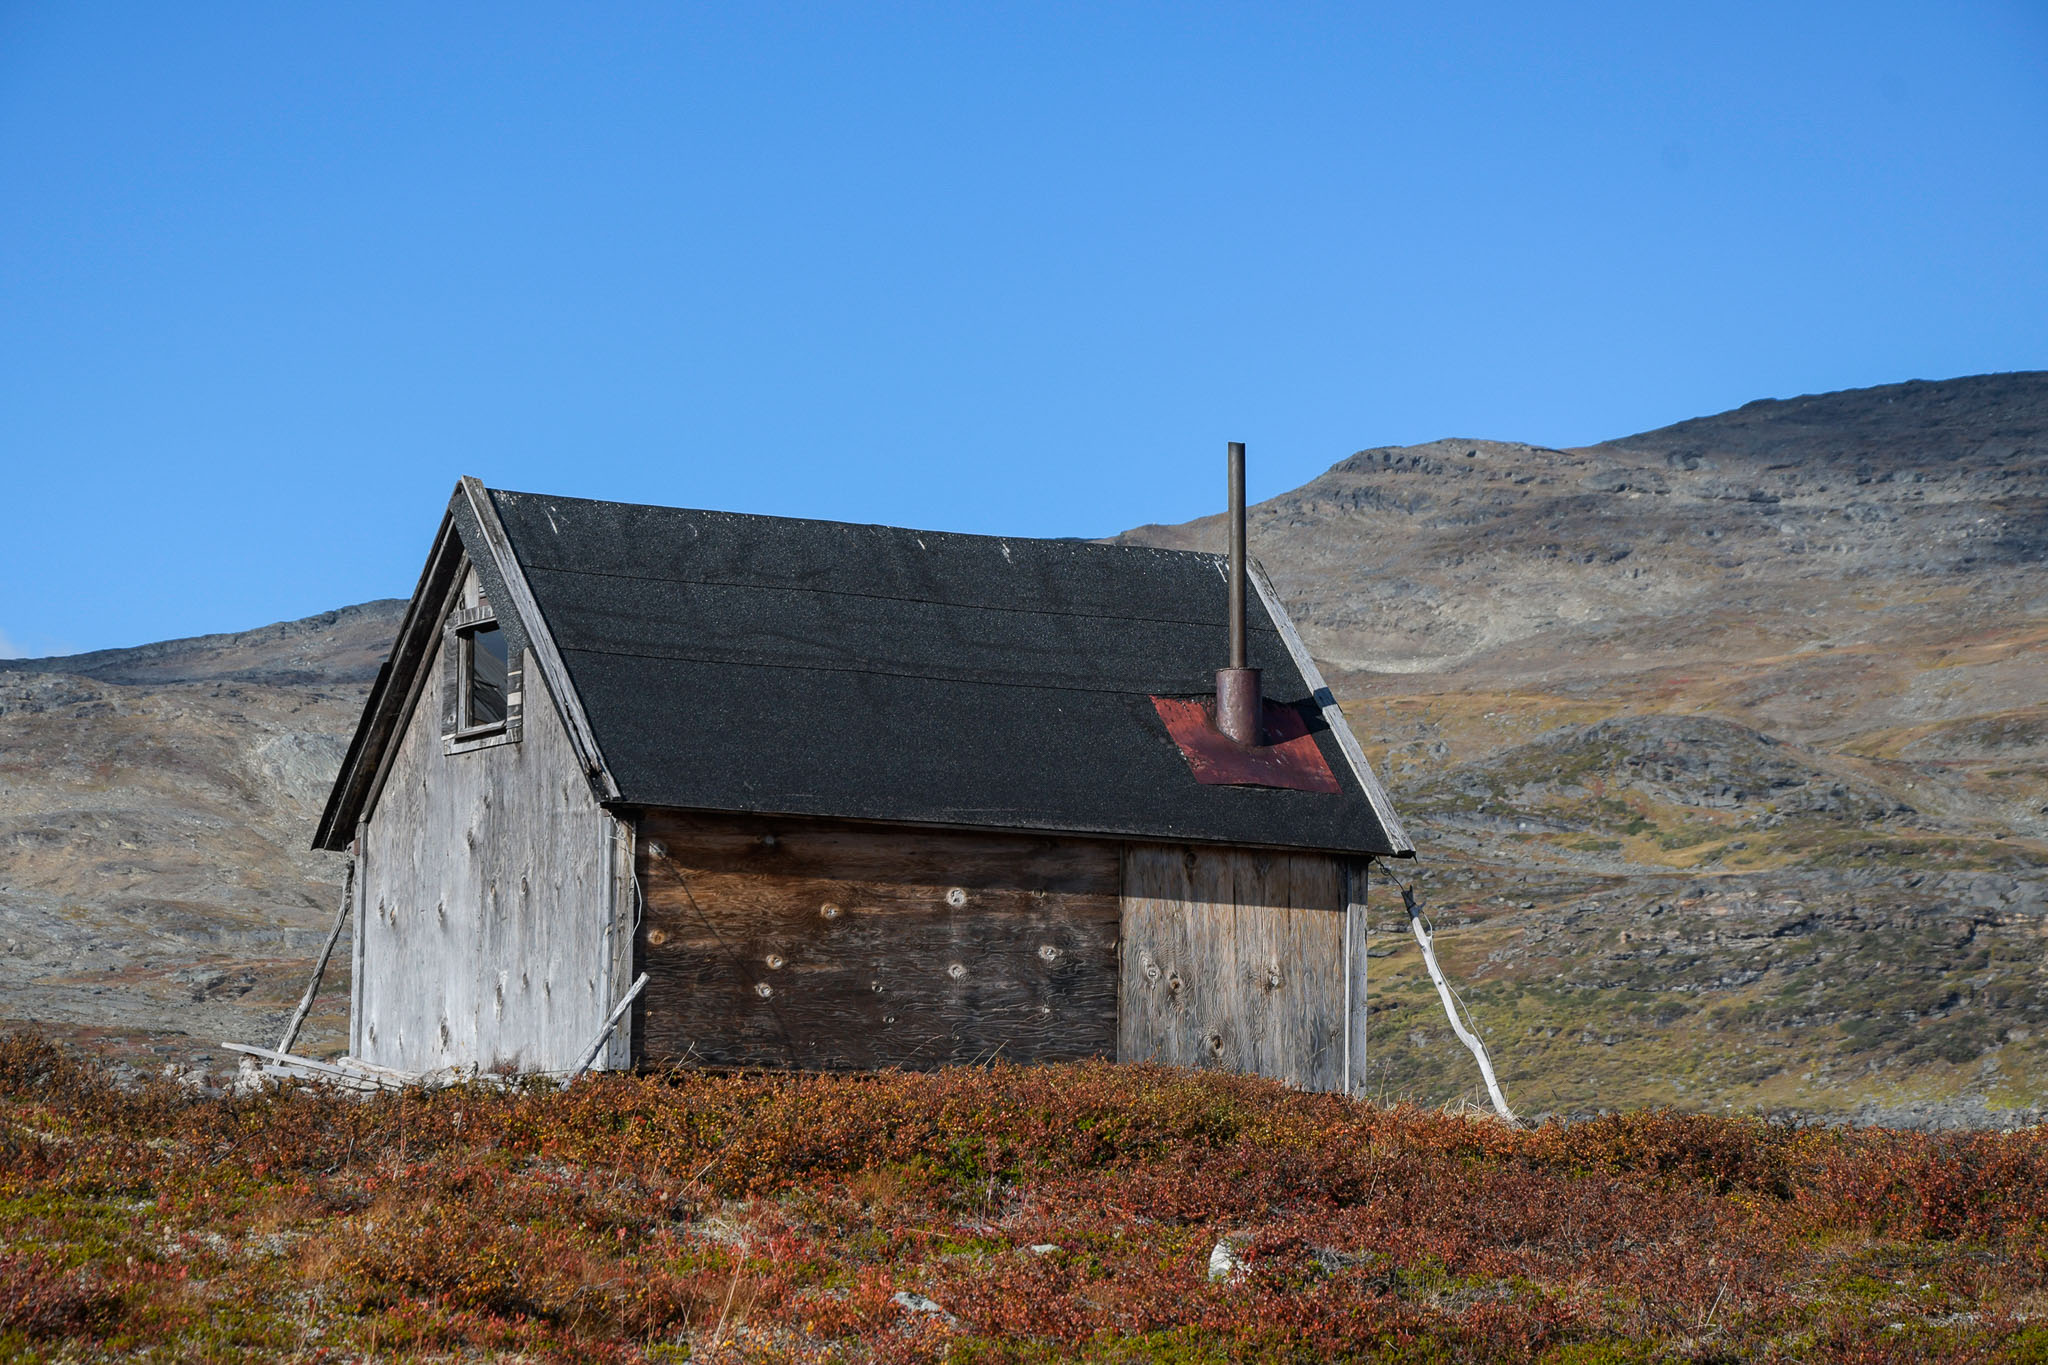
488	886
1237	961
826	945
1356	871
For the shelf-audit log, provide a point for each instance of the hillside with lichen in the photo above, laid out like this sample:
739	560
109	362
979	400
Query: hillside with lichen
157	888
1725	747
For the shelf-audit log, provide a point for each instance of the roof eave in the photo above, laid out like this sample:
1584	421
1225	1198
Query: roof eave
391	695
1333	715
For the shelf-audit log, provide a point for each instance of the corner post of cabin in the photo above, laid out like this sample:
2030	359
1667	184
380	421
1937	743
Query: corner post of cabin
1355	870
621	924
359	851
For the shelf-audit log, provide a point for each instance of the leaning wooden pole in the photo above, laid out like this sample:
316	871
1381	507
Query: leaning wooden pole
348	892
611	1022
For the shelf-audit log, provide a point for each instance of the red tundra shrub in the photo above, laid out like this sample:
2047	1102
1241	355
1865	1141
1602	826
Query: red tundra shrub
987	1214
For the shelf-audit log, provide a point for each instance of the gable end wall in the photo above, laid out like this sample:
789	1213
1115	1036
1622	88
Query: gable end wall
487	894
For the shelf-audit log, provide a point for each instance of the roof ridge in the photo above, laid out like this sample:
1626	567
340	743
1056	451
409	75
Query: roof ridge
763	586
1078	542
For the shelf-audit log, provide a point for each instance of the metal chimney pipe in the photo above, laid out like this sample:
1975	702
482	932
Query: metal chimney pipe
1239	704
1237	653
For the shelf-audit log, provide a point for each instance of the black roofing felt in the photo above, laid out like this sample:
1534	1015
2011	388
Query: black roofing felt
747	663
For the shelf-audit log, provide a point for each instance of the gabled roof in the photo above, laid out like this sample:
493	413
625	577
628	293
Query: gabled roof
717	661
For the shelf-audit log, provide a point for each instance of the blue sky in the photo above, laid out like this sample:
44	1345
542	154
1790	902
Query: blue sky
271	277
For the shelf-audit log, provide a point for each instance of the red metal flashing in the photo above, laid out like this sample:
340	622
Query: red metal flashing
1288	759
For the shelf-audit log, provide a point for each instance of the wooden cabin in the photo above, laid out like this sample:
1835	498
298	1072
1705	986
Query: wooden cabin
851	797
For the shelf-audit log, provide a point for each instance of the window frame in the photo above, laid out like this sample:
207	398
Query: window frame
460	732
467	726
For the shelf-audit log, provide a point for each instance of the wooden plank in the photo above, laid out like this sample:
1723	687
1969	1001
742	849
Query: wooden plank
1316	937
1157	1022
1153	955
305	1068
1355	872
1233	960
623	915
611	1023
1265	965
357	852
880	853
1214	1009
827	945
341	910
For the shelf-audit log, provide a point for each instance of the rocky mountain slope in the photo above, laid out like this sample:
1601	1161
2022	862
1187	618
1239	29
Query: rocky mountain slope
1726	747
156	888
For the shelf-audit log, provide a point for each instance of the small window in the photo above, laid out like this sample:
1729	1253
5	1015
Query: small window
480	681
485	667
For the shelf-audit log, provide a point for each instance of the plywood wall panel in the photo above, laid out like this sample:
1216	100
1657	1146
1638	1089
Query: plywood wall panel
827	945
487	884
1234	960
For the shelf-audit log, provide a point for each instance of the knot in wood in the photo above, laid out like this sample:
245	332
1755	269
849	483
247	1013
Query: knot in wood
656	937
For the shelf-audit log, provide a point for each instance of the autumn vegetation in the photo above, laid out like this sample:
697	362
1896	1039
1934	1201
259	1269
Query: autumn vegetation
984	1215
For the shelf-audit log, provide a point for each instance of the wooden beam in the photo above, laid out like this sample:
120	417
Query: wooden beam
358	852
621	918
312	1070
1355	873
348	891
611	1022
